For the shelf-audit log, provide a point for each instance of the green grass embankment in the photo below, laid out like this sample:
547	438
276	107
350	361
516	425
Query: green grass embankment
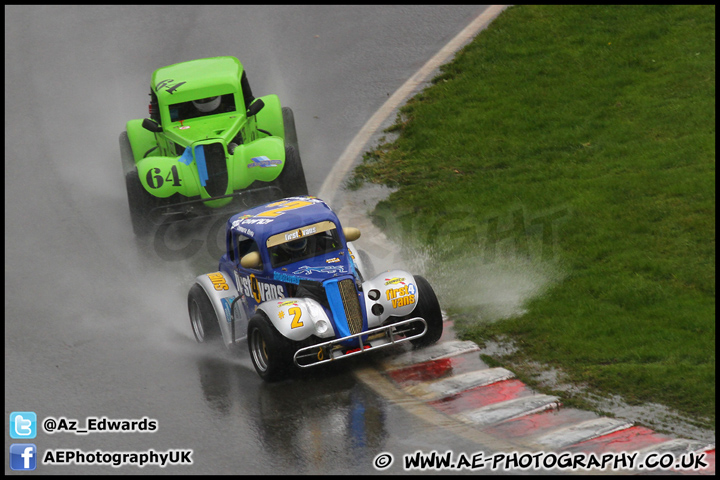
576	140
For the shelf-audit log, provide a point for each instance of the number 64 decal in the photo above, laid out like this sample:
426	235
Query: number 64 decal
155	177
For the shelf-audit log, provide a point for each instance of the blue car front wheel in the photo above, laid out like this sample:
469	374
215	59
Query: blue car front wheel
428	308
269	352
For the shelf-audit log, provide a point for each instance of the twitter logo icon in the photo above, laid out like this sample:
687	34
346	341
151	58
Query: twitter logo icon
23	425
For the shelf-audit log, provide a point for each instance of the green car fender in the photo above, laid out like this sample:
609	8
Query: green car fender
165	176
262	160
141	140
270	117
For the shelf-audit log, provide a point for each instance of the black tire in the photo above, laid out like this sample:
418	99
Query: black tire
289	125
292	178
427	308
203	320
269	351
126	153
139	202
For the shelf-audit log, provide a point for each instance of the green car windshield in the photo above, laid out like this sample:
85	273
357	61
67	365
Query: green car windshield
187	110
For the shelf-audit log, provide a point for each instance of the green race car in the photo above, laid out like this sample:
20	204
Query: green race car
208	144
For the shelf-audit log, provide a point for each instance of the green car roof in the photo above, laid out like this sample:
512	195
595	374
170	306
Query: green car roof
195	79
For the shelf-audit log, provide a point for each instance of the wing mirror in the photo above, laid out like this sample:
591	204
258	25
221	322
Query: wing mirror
351	234
255	107
151	125
251	260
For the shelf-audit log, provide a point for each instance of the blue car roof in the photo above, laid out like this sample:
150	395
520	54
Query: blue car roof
266	220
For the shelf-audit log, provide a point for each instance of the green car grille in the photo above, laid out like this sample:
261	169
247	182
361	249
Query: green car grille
217	181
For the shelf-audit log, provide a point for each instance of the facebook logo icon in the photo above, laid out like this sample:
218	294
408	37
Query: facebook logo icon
23	456
23	425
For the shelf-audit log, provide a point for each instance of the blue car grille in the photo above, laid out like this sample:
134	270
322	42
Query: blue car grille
352	305
344	304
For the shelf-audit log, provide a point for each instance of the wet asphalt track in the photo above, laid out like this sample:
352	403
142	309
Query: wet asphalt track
96	325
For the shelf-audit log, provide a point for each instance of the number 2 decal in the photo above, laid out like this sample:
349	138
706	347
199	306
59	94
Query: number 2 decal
155	178
283	206
296	313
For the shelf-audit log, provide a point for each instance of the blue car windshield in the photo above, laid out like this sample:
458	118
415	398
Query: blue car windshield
304	247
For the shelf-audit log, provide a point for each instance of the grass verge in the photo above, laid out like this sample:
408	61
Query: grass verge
560	176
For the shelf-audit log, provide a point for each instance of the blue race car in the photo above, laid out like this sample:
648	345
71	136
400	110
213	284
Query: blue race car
293	286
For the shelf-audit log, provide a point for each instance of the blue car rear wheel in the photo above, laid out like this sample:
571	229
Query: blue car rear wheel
203	320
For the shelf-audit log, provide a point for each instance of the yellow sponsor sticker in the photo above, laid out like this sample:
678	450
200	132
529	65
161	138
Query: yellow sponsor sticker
218	281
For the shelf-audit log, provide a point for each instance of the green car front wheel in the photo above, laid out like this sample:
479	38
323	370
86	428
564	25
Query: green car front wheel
292	178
